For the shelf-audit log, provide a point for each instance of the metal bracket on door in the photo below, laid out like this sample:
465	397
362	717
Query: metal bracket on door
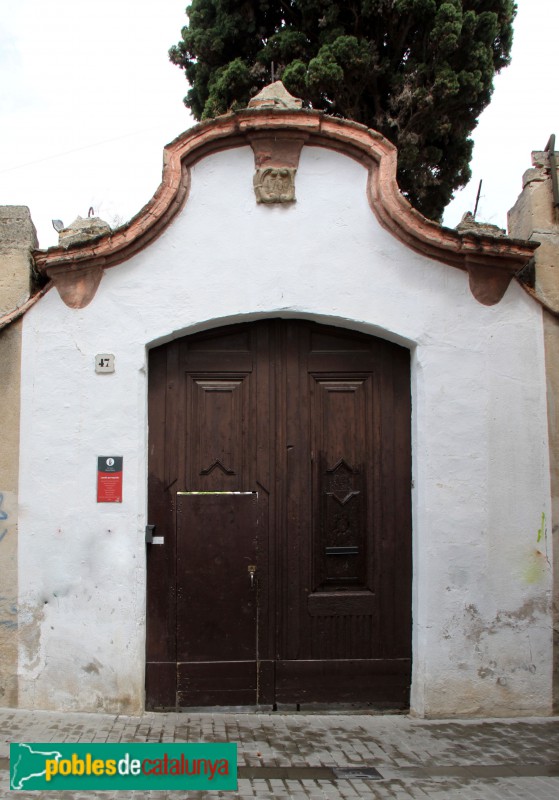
198	493
150	538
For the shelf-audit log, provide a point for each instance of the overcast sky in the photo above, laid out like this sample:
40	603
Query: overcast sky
88	99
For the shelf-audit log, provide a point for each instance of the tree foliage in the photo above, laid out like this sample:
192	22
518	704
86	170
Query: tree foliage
418	71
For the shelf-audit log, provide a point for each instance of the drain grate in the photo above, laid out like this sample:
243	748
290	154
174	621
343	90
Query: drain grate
351	773
286	773
309	773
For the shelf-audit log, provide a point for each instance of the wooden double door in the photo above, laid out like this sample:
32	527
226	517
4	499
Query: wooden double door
279	482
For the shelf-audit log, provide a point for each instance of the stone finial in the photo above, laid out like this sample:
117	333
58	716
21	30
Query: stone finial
275	95
83	230
468	224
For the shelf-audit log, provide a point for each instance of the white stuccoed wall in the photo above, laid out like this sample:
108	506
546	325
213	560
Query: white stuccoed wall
481	598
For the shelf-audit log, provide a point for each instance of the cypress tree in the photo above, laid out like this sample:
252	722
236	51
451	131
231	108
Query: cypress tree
418	71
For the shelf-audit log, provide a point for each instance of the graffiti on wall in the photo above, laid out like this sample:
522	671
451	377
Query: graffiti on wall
8	609
8	612
3	518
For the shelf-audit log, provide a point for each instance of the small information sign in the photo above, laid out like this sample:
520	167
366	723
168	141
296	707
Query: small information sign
109	479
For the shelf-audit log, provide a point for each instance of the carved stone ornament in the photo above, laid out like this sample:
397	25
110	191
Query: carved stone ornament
275	185
275	95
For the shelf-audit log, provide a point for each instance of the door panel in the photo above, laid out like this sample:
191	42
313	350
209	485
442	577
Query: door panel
314	421
344	609
339	440
216	545
216	598
217	410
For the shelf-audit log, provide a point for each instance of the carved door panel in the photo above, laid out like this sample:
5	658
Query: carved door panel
347	630
301	433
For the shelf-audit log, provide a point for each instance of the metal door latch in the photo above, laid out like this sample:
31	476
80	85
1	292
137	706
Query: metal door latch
251	571
150	538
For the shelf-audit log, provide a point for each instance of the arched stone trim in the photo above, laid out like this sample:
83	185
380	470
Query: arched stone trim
490	261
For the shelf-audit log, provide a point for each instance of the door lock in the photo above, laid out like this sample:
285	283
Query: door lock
251	571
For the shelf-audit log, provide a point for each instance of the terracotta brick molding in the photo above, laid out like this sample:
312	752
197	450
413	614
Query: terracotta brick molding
276	137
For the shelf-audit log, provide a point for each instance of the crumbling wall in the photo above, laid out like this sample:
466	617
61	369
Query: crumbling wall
17	238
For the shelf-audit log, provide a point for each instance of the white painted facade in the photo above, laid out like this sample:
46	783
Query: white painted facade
482	626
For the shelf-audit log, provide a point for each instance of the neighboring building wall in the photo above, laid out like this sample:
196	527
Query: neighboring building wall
534	217
17	239
482	622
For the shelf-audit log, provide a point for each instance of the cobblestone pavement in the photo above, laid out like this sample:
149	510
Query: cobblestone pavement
303	756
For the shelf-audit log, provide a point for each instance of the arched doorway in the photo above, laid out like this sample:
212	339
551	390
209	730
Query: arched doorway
279	481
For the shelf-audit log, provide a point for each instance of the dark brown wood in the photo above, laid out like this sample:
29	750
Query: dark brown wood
366	681
266	682
161	560
331	604
161	685
316	422
215	683
216	596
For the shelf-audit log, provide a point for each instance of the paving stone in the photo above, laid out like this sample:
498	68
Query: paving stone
463	759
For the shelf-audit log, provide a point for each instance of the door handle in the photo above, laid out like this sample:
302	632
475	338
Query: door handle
251	571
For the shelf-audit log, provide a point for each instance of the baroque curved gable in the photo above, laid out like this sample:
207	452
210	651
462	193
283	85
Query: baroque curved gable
277	137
